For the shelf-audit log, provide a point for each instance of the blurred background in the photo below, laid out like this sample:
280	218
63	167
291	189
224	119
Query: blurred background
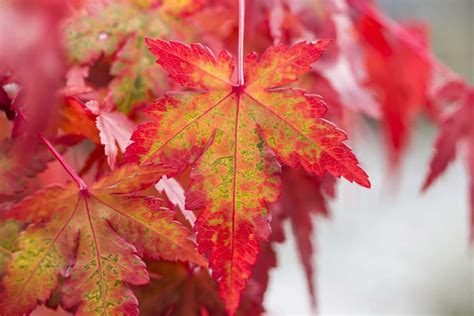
386	251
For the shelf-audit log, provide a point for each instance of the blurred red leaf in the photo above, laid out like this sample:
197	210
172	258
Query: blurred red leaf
456	127
399	79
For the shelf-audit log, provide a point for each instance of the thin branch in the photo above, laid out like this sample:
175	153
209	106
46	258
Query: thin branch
240	57
82	185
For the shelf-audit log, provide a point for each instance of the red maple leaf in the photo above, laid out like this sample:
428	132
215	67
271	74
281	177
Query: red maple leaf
227	132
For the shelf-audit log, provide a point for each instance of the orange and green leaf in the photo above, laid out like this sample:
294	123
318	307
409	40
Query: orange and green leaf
94	238
229	133
117	30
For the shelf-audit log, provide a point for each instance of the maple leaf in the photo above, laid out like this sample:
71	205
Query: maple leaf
92	33
94	238
227	131
455	128
102	32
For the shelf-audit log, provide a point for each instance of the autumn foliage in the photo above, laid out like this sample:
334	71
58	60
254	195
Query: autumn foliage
192	131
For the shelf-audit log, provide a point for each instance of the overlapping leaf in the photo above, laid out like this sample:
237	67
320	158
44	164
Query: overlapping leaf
115	129
227	131
94	238
290	22
118	29
99	123
175	194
